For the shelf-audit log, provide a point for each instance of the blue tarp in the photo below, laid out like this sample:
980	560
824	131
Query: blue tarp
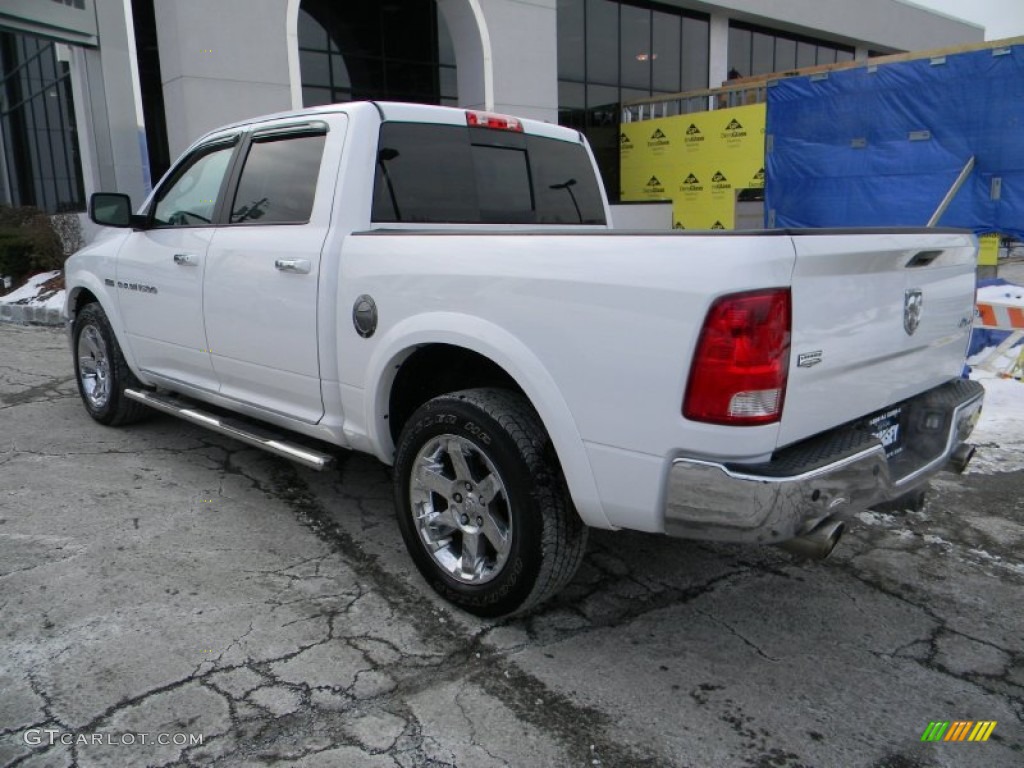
850	149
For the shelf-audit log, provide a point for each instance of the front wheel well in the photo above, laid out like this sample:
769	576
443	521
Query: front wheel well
436	369
80	298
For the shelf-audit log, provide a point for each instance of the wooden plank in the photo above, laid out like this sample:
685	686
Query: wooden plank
741	85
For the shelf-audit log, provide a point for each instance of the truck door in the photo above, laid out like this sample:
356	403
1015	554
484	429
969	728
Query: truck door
263	269
160	268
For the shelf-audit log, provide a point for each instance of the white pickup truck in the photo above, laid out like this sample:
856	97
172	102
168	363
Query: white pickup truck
441	288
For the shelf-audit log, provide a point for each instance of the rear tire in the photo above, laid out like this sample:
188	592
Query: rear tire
101	371
482	503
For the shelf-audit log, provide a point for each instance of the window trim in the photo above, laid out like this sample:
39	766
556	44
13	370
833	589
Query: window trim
259	135
796	37
478	138
584	112
338	91
290	131
527	165
232	140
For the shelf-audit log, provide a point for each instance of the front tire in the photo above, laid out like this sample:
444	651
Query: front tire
482	504
101	371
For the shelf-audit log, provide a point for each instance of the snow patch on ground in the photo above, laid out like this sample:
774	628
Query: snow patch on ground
32	291
988	557
1012	295
999	434
1000	431
37	301
870	517
972	555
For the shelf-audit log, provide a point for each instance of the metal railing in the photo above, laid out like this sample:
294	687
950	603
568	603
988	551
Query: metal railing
754	90
695	101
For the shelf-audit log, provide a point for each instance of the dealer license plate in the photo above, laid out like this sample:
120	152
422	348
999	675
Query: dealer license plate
888	427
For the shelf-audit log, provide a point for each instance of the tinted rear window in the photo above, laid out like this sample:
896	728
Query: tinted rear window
461	175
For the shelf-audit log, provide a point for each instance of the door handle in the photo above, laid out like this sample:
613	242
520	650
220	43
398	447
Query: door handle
299	266
186	259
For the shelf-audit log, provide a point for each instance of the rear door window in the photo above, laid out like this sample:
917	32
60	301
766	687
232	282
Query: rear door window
278	181
461	175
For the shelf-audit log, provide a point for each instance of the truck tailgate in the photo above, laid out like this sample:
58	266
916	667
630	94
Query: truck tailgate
877	318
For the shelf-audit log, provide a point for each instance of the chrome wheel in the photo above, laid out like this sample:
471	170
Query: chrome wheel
482	506
460	508
94	366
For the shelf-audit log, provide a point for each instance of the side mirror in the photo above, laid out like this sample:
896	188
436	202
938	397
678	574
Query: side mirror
111	209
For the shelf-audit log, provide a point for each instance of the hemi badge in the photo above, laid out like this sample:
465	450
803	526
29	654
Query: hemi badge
109	282
809	359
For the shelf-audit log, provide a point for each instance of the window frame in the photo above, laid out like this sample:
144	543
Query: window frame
586	108
478	157
777	34
233	140
273	132
475	138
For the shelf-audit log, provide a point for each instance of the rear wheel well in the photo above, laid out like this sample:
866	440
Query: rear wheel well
437	369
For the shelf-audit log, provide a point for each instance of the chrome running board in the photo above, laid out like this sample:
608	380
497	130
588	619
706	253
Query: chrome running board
307	457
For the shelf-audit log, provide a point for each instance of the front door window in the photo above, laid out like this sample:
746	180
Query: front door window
190	198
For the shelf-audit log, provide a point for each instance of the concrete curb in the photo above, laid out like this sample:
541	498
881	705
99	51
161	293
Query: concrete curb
26	314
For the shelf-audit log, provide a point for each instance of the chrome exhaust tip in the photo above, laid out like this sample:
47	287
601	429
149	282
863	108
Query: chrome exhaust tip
818	543
960	458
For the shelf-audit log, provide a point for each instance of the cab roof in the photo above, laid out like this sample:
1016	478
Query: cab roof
398	112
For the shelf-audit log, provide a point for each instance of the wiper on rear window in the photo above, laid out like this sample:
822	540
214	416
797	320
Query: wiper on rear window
385	155
567	186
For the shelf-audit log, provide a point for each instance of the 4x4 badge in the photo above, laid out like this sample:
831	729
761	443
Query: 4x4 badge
913	301
809	359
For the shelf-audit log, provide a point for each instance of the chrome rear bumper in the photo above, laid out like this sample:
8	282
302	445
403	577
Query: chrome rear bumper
836	474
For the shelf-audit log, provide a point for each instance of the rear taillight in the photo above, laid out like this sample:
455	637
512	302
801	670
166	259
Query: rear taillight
740	368
480	119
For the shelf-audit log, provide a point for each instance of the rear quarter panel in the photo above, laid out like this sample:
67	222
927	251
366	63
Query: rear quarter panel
612	318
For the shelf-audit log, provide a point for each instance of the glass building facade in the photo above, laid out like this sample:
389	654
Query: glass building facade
37	126
610	52
397	50
760	51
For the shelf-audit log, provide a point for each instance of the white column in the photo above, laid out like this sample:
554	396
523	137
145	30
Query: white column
718	44
84	120
105	88
221	62
291	32
471	40
507	55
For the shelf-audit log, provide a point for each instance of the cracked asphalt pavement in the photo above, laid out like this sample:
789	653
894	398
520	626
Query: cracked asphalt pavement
162	580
